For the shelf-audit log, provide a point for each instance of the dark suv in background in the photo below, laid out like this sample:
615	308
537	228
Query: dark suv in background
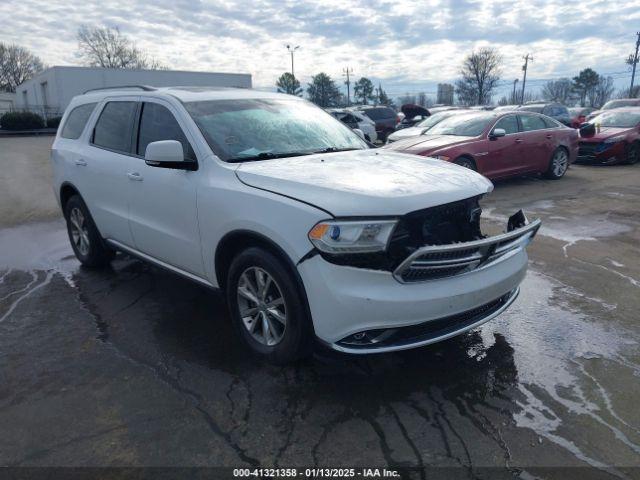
385	118
553	110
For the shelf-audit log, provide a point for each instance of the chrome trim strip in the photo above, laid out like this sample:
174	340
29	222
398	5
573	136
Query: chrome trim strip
407	346
143	256
490	253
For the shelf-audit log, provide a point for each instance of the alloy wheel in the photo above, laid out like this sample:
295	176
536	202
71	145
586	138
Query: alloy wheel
560	163
79	231
262	306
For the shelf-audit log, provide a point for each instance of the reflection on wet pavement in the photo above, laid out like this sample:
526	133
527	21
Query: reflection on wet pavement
141	367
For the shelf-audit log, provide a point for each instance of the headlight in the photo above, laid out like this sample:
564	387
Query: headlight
619	138
362	236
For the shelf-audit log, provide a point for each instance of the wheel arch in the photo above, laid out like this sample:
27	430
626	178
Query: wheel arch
234	242
67	190
467	156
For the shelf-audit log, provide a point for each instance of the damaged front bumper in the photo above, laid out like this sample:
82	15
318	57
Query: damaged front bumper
433	262
357	310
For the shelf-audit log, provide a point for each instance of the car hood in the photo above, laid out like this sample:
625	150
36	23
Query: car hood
365	182
406	133
604	133
410	110
425	143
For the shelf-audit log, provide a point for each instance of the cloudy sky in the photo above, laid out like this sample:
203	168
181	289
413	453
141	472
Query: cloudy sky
408	45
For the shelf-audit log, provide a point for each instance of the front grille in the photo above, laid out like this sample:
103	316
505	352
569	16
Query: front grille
587	151
432	329
438	261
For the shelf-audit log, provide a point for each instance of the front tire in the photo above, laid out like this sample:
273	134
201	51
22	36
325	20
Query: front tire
633	153
86	242
466	163
266	307
558	164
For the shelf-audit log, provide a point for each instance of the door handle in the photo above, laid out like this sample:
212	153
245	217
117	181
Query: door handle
549	136
80	162
135	176
518	140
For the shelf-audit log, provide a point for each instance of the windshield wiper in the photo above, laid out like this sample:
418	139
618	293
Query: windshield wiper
335	149
266	156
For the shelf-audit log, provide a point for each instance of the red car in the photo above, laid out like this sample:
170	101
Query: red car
498	144
611	137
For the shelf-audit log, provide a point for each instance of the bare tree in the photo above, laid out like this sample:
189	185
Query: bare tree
560	91
624	92
17	65
108	48
601	92
480	75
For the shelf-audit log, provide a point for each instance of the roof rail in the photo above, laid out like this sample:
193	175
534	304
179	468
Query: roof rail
146	88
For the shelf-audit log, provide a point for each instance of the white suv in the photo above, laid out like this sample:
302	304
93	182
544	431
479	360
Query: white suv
309	232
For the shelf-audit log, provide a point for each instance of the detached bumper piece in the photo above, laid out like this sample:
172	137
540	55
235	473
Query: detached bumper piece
439	261
391	339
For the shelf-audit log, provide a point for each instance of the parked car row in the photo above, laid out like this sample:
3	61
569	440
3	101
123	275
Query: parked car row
497	144
356	120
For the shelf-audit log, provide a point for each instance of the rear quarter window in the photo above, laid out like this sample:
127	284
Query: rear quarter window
76	121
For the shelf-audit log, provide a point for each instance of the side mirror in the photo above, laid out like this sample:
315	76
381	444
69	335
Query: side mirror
359	132
168	154
497	133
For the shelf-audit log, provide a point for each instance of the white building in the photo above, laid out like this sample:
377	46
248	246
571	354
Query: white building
7	102
49	92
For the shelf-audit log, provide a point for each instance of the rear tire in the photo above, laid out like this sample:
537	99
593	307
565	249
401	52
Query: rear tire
633	153
466	163
558	164
267	310
86	242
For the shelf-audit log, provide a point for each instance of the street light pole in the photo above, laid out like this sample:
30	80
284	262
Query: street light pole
347	72
633	61
524	78
291	51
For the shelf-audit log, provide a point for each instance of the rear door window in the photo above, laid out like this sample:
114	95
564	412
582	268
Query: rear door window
76	121
531	123
550	122
114	128
158	123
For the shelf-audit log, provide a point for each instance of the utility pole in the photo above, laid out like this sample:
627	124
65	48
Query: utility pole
346	72
513	97
633	61
524	78
292	51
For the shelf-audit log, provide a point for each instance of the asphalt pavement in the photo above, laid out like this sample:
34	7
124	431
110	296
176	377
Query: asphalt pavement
134	366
